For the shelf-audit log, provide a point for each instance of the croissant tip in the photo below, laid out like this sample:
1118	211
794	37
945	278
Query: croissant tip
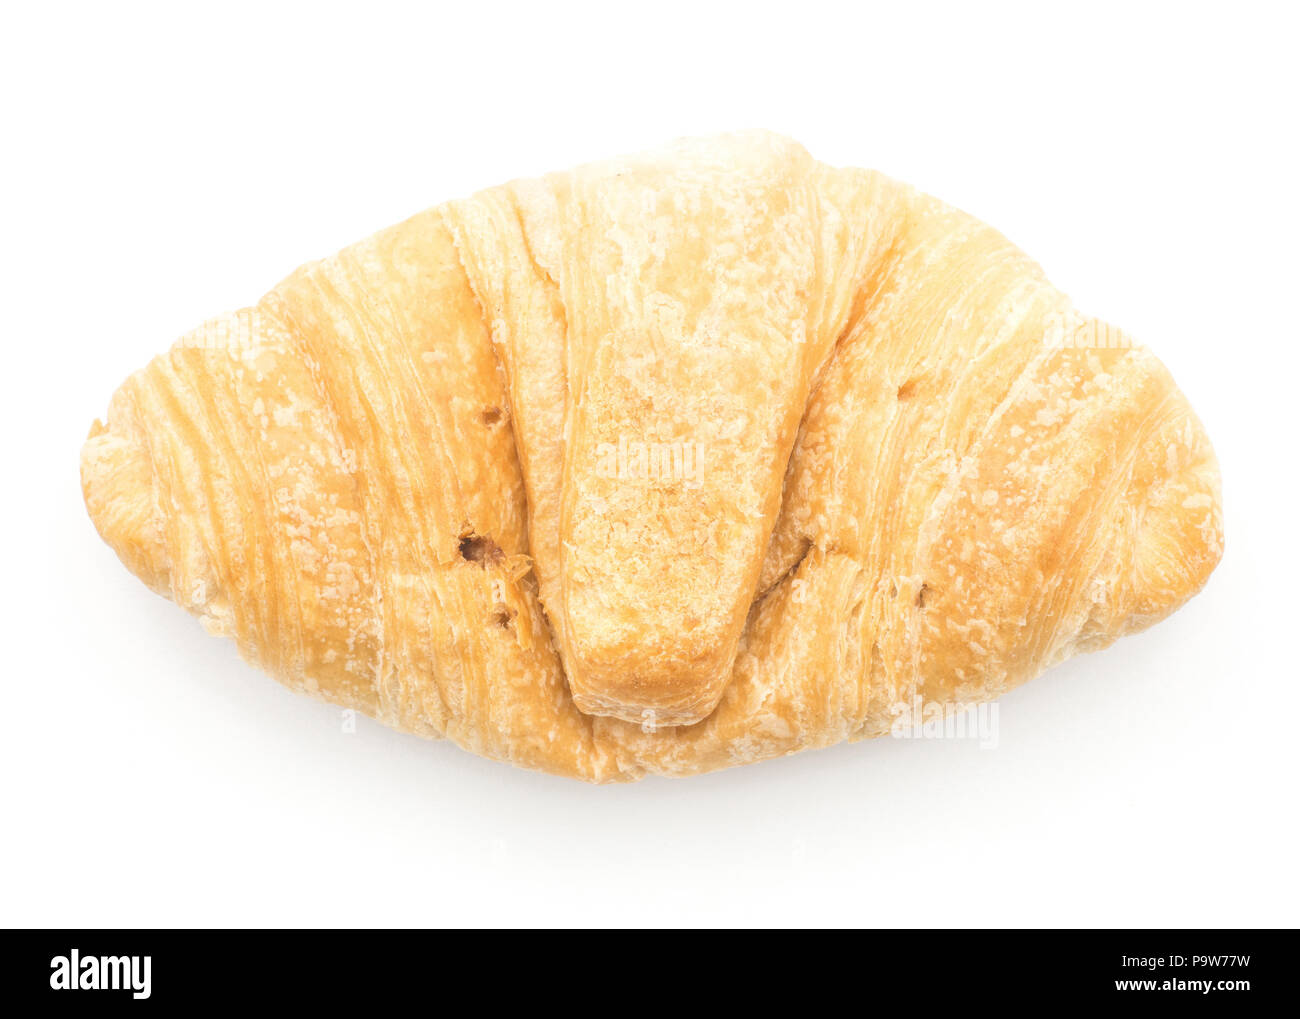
117	486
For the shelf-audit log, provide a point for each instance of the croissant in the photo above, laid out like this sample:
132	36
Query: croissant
662	465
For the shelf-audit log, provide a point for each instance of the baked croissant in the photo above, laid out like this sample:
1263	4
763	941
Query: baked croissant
661	465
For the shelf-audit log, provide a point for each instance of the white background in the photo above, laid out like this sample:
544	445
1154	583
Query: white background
159	166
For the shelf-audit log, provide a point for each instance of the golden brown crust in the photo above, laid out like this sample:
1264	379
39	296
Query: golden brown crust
661	465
